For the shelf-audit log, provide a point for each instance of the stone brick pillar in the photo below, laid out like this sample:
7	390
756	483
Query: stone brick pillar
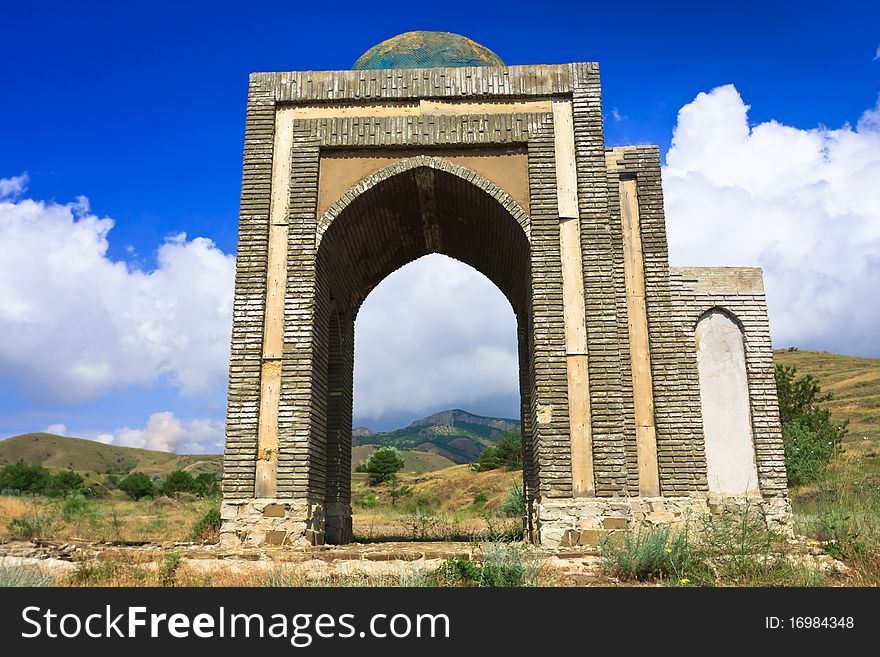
340	378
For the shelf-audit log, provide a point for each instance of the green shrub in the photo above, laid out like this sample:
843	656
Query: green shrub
16	576
733	548
480	500
457	571
487	460
810	437
502	565
654	553
178	481
368	502
207	528
27	527
137	485
76	507
168	569
843	513
65	482
207	484
509	450
806	456
24	477
515	504
738	547
509	564
397	490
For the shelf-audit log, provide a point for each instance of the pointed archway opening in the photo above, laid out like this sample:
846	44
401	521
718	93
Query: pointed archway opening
435	376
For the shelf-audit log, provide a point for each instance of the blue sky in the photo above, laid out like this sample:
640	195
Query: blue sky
140	107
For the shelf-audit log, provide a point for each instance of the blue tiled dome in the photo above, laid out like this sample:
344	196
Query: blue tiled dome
427	50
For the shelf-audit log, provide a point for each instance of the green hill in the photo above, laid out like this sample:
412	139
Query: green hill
854	382
455	434
89	456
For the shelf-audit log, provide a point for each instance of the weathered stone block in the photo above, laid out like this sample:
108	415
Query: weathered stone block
275	537
274	511
614	523
591	537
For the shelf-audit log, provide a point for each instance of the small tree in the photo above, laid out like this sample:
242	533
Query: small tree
396	490
207	484
810	437
506	453
509	450
487	460
137	485
383	464
178	481
65	482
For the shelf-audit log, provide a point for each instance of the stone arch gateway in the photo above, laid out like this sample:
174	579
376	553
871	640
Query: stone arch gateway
350	175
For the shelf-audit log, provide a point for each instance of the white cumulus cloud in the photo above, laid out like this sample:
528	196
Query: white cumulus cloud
804	204
167	433
434	335
76	323
58	429
12	187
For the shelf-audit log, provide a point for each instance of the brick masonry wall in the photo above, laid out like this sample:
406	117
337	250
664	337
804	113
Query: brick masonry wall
603	285
250	294
680	452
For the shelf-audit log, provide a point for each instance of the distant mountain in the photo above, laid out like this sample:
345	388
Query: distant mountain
89	456
437	441
455	434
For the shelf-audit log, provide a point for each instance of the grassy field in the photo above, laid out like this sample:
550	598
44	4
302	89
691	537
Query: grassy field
842	511
450	504
117	519
854	382
455	503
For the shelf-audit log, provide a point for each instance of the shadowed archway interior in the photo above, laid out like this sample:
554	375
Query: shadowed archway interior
412	213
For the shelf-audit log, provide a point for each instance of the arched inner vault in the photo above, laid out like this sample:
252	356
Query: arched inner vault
410	210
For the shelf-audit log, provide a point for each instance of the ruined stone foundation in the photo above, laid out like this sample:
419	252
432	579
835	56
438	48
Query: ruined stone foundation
586	521
252	522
